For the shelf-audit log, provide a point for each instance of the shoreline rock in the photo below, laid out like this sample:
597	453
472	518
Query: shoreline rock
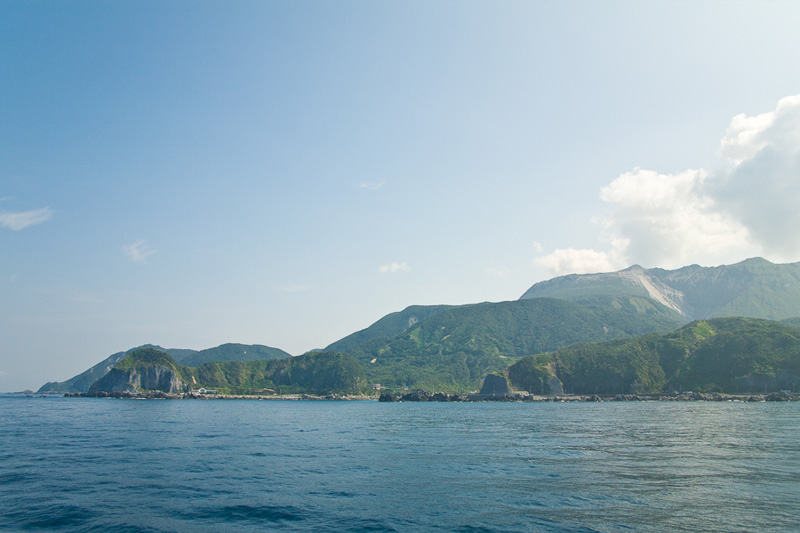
159	395
424	396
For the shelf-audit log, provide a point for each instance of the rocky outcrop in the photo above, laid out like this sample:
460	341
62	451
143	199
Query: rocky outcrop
555	386
417	396
153	378
388	397
495	387
421	396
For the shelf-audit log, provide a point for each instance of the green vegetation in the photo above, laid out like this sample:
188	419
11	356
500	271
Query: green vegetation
794	322
755	288
389	326
314	373
146	358
532	372
226	352
724	354
453	349
438	348
232	352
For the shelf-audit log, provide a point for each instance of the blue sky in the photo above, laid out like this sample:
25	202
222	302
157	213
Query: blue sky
285	173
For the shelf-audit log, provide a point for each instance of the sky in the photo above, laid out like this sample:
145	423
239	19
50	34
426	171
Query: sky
285	173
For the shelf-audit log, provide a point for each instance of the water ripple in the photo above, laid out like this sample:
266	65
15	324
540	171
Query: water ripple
110	465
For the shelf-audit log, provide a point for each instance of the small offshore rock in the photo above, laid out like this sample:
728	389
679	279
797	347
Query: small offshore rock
387	397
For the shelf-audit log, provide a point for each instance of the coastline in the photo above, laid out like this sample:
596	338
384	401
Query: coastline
158	395
424	396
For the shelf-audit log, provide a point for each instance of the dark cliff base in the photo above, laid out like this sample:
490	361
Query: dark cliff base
423	396
160	395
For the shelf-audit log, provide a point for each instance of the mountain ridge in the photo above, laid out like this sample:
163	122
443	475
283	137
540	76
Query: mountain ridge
754	288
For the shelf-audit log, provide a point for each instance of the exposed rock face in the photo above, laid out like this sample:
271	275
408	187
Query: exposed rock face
420	396
417	396
753	288
154	378
555	386
495	387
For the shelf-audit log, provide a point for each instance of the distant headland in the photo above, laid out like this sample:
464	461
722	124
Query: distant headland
730	331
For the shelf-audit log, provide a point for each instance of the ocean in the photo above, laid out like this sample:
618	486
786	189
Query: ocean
82	464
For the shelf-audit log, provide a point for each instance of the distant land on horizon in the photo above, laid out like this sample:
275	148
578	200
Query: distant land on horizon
224	352
447	347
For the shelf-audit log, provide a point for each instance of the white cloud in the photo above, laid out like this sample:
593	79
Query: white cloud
21	220
138	251
746	136
669	219
585	261
762	192
741	140
751	207
498	272
394	267
372	185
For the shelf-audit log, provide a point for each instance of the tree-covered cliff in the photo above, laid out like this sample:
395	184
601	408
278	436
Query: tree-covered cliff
314	373
725	354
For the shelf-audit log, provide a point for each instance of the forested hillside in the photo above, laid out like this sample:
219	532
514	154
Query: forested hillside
315	373
453	349
725	354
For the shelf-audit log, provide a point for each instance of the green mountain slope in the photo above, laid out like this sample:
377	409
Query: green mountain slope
225	352
232	352
794	322
317	373
753	288
455	348
724	354
84	380
389	326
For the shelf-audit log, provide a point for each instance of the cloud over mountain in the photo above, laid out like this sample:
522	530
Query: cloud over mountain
751	206
762	190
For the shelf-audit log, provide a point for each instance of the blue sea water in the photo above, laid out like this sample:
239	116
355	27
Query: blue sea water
70	464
